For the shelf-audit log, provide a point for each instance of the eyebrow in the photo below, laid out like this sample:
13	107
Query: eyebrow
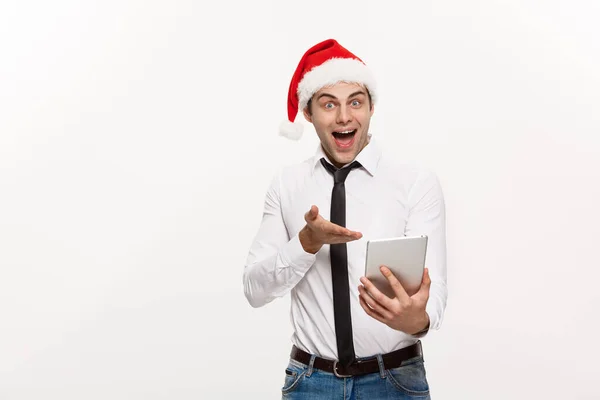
333	97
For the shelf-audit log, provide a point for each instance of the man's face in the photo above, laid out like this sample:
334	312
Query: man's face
341	115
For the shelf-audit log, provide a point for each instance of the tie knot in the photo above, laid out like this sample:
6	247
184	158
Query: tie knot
339	174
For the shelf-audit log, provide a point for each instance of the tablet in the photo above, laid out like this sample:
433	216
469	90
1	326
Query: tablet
404	256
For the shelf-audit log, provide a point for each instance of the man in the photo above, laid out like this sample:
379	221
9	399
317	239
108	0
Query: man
350	340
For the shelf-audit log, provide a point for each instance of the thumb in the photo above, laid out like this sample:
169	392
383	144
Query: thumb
312	214
425	283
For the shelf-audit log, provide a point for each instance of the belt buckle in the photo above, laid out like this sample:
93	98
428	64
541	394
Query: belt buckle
335	364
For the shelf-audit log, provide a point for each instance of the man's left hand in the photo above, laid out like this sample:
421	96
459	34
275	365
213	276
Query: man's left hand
404	313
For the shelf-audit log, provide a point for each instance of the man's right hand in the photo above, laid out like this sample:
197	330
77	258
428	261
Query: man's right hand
318	231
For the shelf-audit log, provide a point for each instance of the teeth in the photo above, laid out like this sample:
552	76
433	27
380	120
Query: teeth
345	132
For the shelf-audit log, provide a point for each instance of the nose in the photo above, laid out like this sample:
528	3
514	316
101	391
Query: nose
344	115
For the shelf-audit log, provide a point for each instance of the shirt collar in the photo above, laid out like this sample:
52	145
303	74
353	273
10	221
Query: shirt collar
368	157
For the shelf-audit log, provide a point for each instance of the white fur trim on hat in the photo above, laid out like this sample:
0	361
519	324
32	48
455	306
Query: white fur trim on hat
333	71
291	130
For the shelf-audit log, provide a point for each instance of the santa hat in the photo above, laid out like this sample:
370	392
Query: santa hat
324	64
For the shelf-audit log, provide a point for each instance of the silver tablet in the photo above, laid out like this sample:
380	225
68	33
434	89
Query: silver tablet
404	256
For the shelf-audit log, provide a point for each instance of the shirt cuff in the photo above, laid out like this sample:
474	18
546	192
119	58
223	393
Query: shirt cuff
294	256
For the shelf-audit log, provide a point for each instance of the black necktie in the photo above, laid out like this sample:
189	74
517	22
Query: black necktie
339	266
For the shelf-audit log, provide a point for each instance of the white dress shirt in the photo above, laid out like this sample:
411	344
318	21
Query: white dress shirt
384	199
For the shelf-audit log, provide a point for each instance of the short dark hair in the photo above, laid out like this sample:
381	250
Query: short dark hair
309	104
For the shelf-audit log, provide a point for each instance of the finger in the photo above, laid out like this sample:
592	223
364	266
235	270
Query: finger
371	302
335	229
338	230
354	235
377	295
343	237
395	284
312	214
369	311
339	240
425	285
426	279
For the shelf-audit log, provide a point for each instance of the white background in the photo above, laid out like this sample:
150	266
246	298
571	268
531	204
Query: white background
137	140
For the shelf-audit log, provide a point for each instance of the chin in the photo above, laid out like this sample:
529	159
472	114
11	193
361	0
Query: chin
344	157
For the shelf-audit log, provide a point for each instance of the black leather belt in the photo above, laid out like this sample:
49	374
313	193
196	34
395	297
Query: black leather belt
362	366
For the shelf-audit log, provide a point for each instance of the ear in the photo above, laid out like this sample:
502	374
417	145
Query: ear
372	109
307	115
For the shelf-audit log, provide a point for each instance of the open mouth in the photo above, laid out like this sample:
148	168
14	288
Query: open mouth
344	138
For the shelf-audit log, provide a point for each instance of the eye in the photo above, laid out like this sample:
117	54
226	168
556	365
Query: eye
329	105
355	103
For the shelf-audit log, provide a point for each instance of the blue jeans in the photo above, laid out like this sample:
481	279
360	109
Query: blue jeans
407	381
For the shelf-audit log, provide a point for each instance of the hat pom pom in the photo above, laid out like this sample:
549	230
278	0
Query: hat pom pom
291	130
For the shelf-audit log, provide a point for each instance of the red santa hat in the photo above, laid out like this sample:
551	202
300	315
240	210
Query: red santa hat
324	64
